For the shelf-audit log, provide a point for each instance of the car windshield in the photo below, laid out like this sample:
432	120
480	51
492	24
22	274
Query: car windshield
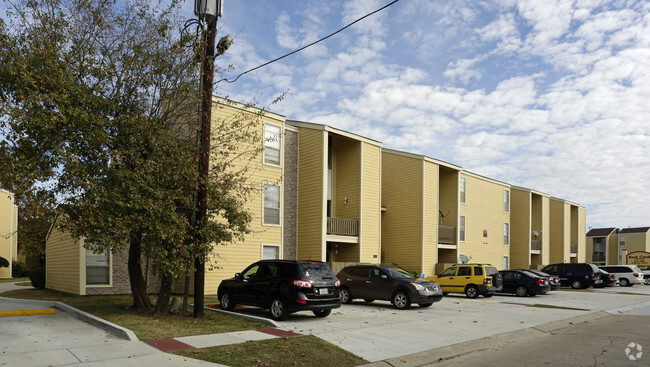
398	273
314	270
490	270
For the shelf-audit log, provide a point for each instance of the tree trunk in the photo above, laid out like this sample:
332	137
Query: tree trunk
138	285
199	288
162	304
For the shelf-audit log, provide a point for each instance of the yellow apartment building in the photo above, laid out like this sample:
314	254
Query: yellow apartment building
8	231
602	246
568	232
339	195
419	227
484	221
632	240
530	231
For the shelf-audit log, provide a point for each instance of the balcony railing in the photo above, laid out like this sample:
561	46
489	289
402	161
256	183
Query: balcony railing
535	244
598	257
574	249
342	227
446	235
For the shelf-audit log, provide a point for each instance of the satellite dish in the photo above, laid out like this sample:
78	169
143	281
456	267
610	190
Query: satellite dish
463	258
536	233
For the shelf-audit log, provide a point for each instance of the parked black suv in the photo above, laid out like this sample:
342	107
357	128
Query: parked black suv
387	282
283	287
575	275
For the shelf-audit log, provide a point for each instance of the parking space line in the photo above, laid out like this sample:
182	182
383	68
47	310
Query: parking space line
47	311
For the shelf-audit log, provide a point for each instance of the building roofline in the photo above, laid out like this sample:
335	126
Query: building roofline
248	108
521	188
566	201
323	127
423	157
476	175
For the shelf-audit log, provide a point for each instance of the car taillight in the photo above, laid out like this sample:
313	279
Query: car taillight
487	281
636	275
302	283
593	276
337	283
540	281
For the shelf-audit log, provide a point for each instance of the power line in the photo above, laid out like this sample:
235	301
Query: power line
309	45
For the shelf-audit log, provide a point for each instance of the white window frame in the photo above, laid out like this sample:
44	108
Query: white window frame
506	263
109	266
461	228
506	234
264	206
463	190
621	240
271	245
506	200
270	141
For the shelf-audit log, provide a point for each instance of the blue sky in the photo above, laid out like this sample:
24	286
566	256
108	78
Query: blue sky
550	95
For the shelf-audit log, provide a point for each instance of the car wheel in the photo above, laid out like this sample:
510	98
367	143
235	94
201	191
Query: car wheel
346	296
226	302
471	291
368	300
488	295
445	293
322	313
623	282
576	284
279	310
401	300
521	291
425	304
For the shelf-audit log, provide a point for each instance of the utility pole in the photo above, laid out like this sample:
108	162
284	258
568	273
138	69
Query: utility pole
207	78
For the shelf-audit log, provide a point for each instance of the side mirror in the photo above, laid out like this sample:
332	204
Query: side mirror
384	276
237	275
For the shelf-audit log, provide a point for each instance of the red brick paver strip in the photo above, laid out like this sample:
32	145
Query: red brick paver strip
279	333
168	345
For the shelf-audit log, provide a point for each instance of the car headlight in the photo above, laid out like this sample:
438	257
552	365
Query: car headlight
418	287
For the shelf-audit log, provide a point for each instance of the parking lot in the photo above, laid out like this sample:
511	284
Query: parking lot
376	331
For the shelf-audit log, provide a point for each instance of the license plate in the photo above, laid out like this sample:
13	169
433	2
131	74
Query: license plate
599	281
321	291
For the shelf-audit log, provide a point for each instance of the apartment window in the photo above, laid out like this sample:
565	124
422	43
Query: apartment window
463	187
506	201
270	252
621	240
506	233
272	141
461	228
506	263
271	204
98	267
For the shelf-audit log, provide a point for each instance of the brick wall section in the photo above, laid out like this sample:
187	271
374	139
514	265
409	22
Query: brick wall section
121	284
290	194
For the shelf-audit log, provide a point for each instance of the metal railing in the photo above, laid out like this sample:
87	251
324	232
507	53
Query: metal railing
342	227
598	257
446	235
535	244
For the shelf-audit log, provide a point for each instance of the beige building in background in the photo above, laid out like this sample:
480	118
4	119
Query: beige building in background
568	232
419	227
602	246
8	231
484	222
530	232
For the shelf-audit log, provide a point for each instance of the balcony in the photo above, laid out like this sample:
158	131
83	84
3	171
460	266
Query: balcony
342	227
446	235
600	257
574	249
536	245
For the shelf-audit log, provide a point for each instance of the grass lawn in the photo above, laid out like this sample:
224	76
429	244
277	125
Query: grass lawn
294	351
301	351
14	280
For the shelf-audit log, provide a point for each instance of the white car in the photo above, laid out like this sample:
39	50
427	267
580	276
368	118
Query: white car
627	275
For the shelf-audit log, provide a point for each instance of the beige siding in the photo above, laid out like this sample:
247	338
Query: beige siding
484	211
401	227
8	231
370	225
430	192
635	242
312	191
560	231
546	230
612	250
229	258
346	169
521	210
582	233
63	262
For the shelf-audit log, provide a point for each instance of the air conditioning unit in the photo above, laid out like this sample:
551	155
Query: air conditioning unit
208	8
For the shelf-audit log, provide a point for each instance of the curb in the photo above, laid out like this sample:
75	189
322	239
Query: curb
485	344
244	316
114	329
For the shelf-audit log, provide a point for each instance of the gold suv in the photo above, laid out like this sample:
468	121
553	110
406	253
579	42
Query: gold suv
471	279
